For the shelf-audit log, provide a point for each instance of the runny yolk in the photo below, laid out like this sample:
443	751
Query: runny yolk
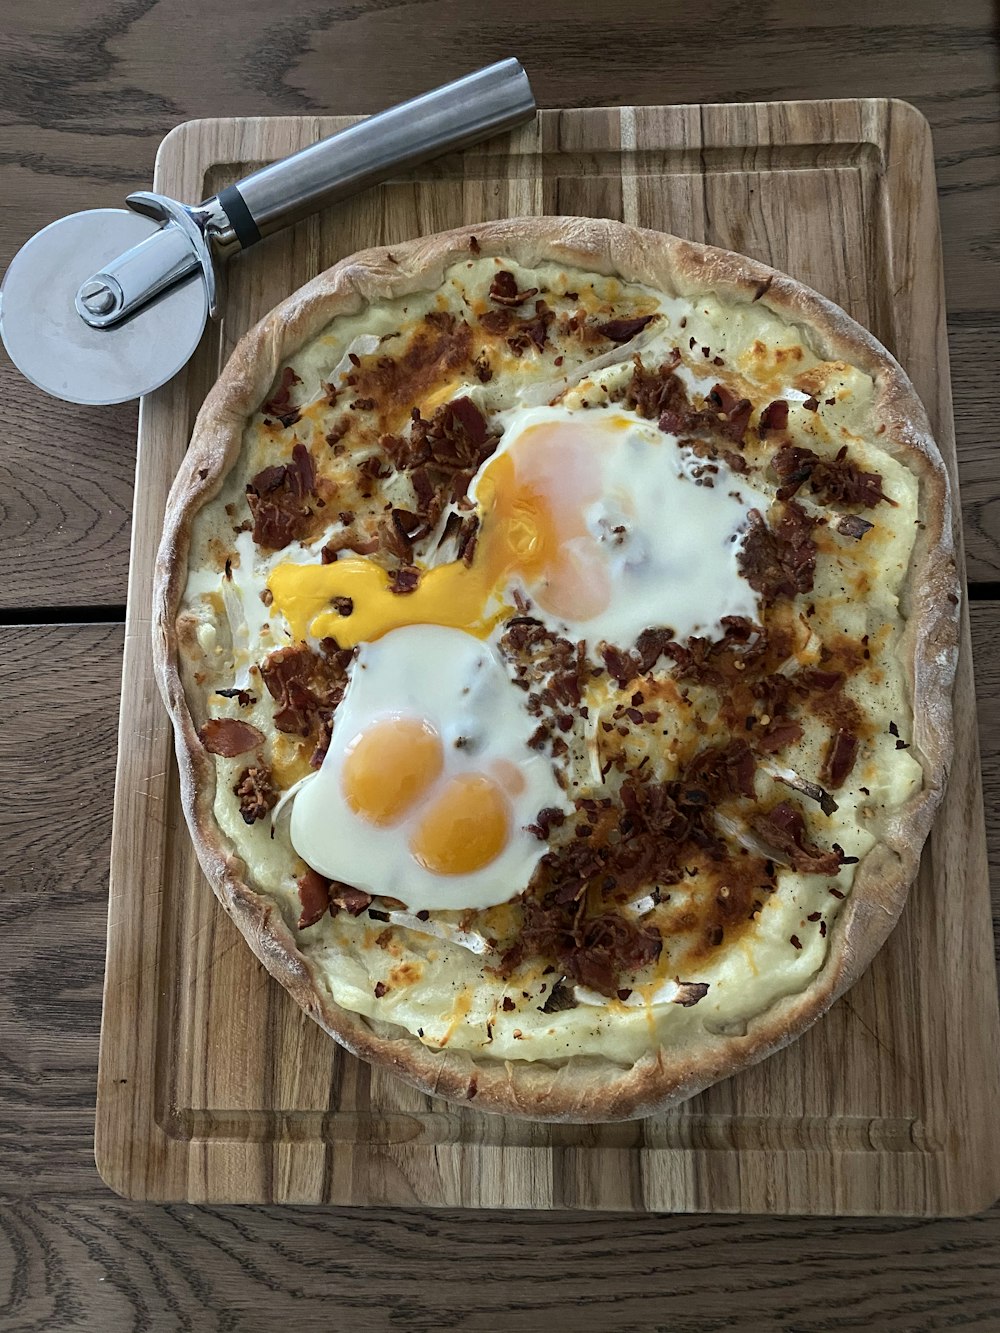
533	500
464	828
389	767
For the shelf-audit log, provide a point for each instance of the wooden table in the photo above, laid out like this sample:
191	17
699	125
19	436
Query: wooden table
88	91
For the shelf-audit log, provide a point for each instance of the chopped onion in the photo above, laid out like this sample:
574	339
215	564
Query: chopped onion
363	345
741	834
443	930
642	905
811	789
537	395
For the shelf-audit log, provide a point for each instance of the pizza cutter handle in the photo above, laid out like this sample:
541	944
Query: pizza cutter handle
487	102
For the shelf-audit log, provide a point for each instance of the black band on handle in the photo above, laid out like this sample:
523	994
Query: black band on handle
235	208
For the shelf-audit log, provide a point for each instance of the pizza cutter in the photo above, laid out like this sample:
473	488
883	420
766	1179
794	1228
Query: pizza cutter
106	305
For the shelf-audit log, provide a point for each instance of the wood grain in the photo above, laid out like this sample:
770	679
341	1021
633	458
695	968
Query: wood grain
214	1087
74	1257
91	88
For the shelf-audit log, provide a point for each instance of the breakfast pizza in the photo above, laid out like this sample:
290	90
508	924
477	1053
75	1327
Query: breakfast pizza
558	623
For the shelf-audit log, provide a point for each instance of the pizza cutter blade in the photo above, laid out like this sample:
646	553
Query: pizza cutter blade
106	305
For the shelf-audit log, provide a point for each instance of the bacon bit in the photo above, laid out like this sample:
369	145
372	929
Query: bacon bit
467	537
339	430
840	757
306	686
623	666
277	499
344	606
835	481
783	829
779	562
795	941
243	697
822	930
279	405
482	367
496	321
352	900
723	770
651	645
545	821
780	733
853	525
380	989
346	517
592	954
403	580
256	793
735	411
508	1005
314	896
532	331
690	992
811	404
330	393
503	290
814	916
773	417
228	736
622	330
400	530
363	405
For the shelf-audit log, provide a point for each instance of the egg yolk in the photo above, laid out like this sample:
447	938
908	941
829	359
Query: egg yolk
464	828
533	501
389	767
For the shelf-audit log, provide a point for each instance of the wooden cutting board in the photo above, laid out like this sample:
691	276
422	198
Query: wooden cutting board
215	1087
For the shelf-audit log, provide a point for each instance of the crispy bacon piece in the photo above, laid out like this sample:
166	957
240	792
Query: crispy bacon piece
405	579
532	331
773	417
228	736
690	992
621	330
780	732
779	562
306	686
835	480
651	645
593	952
734	413
653	392
345	896
278	499
545	821
723	770
256	792
783	829
279	404
840	758
624	666
853	525
503	290
314	897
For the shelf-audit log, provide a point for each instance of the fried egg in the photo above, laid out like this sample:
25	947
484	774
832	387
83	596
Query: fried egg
429	785
604	523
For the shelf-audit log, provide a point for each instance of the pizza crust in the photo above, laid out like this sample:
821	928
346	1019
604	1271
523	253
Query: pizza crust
581	1088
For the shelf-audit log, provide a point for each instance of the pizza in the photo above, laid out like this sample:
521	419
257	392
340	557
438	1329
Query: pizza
558	623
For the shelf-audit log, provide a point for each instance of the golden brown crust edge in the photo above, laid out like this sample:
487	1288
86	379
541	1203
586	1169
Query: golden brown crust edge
581	1088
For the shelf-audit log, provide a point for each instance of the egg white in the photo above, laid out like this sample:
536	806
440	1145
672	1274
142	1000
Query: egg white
459	685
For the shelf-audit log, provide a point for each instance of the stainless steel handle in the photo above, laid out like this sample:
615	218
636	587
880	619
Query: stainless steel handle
487	102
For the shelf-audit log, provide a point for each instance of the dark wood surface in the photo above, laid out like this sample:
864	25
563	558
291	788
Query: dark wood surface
88	91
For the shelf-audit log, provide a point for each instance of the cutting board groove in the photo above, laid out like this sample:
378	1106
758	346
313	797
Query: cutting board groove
215	1087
